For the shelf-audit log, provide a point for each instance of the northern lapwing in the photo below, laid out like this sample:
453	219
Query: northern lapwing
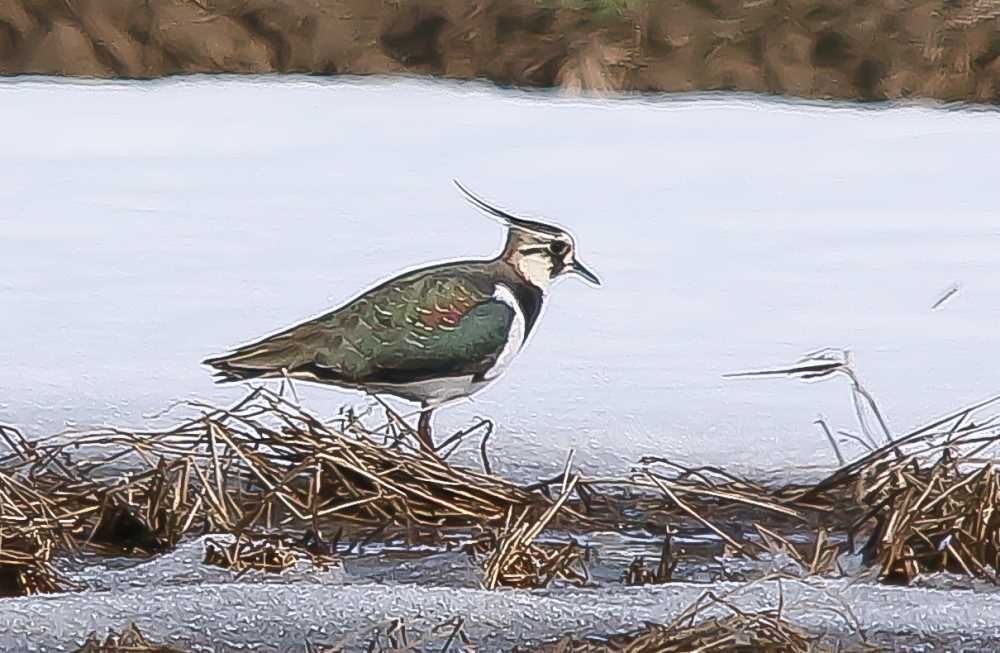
431	335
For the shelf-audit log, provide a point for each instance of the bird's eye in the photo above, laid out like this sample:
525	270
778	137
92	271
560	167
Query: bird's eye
558	247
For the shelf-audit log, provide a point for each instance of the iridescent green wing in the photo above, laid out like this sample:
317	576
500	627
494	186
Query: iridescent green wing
441	323
435	322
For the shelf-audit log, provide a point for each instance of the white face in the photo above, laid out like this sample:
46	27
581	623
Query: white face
542	259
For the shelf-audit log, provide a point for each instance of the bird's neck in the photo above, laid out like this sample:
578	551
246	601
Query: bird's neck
529	295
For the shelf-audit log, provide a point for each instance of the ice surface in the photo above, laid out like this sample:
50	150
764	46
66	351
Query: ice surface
176	598
149	224
232	617
182	566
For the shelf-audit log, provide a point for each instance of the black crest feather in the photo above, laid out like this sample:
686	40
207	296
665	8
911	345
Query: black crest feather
505	217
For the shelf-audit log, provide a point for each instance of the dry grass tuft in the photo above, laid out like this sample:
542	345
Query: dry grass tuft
710	625
929	501
817	558
243	554
130	640
265	469
25	566
697	501
259	467
514	559
942	520
395	637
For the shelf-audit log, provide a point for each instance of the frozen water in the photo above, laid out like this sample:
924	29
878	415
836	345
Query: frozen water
174	598
228	617
147	225
182	566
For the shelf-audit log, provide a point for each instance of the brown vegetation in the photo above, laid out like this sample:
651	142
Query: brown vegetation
244	554
130	640
927	501
941	49
289	485
514	559
712	624
278	478
261	467
25	567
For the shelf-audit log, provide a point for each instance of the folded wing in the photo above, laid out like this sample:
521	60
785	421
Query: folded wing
420	326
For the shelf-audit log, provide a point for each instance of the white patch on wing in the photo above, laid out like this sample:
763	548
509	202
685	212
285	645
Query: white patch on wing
515	337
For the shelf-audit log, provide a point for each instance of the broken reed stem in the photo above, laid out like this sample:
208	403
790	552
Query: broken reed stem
927	499
244	554
832	440
706	523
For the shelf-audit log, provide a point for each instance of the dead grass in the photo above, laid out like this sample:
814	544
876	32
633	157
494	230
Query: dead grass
130	640
928	501
513	558
261	467
25	564
712	624
395	637
244	554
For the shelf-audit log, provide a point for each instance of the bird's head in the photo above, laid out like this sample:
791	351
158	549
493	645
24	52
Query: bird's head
540	252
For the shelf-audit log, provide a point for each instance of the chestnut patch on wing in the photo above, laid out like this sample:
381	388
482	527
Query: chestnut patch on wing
445	317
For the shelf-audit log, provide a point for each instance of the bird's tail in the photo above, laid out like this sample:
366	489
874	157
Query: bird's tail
261	360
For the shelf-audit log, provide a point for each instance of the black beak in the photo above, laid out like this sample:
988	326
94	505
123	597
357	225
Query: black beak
580	269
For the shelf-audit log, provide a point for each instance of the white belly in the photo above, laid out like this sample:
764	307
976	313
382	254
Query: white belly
433	391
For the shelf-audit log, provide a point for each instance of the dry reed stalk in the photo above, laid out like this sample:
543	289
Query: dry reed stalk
941	520
929	497
818	558
667	492
828	363
716	492
696	500
514	559
130	640
638	574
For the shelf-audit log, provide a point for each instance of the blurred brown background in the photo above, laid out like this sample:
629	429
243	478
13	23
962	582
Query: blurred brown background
837	49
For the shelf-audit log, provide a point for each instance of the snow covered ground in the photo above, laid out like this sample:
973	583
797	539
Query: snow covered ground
148	225
175	599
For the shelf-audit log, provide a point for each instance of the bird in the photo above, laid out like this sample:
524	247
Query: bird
430	335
